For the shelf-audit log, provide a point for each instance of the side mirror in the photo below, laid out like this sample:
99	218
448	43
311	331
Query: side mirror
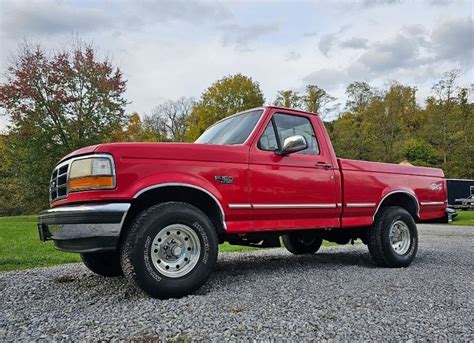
293	144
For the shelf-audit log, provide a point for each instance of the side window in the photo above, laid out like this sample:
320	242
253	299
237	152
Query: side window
268	140
290	125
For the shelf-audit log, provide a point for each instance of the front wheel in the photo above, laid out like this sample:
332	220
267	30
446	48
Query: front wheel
299	243
393	239
170	250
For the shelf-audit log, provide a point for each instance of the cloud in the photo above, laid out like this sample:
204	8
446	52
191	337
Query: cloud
327	41
24	18
441	2
310	34
374	3
402	51
292	56
327	78
414	53
241	36
413	47
181	10
48	17
454	39
354	43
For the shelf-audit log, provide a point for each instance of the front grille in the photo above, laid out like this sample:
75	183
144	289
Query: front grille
58	184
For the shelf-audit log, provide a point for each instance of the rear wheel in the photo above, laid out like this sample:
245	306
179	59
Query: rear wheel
103	263
170	250
393	239
300	243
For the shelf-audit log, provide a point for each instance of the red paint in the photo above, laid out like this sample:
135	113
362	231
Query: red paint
265	178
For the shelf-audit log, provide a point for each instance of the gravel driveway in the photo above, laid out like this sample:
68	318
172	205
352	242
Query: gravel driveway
269	294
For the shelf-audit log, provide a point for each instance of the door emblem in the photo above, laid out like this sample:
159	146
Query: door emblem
224	179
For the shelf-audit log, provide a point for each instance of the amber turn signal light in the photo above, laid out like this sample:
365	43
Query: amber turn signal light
91	182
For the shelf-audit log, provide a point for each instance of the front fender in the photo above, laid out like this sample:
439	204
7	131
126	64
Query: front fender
176	179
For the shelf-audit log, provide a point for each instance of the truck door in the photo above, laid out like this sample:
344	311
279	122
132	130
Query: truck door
294	191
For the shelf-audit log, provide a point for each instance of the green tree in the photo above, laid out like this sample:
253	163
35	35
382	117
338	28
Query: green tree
288	98
10	185
57	102
223	98
316	99
449	128
359	95
418	152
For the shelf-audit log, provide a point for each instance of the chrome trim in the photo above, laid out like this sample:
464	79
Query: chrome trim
257	125
240	206
283	206
58	167
361	204
394	192
432	203
113	207
178	184
290	144
339	204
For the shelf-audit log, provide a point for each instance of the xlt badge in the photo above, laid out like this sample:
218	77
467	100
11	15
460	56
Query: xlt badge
224	179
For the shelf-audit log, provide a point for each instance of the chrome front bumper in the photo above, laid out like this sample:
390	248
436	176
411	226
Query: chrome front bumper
83	228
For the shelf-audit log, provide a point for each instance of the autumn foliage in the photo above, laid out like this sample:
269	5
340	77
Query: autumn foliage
57	103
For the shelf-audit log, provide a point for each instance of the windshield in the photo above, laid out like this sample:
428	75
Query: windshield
234	130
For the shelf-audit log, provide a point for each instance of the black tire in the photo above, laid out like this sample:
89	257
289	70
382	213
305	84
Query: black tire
300	243
136	250
103	263
380	247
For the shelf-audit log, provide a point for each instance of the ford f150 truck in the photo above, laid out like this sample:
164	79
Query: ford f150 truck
156	212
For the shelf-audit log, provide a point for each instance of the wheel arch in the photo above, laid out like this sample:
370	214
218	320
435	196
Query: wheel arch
402	198
192	194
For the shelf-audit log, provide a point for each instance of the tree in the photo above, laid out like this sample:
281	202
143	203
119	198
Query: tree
442	106
10	186
57	103
288	98
170	120
136	131
223	98
316	99
359	95
449	129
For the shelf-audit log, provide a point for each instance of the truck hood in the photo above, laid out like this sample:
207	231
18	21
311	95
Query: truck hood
82	151
169	151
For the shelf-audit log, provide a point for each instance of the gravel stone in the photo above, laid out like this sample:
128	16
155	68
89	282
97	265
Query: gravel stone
337	294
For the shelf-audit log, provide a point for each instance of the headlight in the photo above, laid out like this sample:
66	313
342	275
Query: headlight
91	173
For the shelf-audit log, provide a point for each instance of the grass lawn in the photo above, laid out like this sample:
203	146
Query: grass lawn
464	218
20	247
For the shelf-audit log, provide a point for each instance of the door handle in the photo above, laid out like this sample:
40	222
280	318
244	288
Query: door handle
323	165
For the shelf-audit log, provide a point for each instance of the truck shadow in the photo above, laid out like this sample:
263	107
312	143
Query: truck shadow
232	268
264	263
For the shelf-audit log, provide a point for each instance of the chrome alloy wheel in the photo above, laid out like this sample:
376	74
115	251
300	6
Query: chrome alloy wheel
400	237
175	250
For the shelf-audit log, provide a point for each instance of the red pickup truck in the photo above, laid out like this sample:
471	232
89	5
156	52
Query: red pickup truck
156	212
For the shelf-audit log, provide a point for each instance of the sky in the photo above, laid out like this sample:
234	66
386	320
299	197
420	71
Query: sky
168	49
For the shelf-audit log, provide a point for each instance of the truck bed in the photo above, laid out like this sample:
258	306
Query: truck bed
366	184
